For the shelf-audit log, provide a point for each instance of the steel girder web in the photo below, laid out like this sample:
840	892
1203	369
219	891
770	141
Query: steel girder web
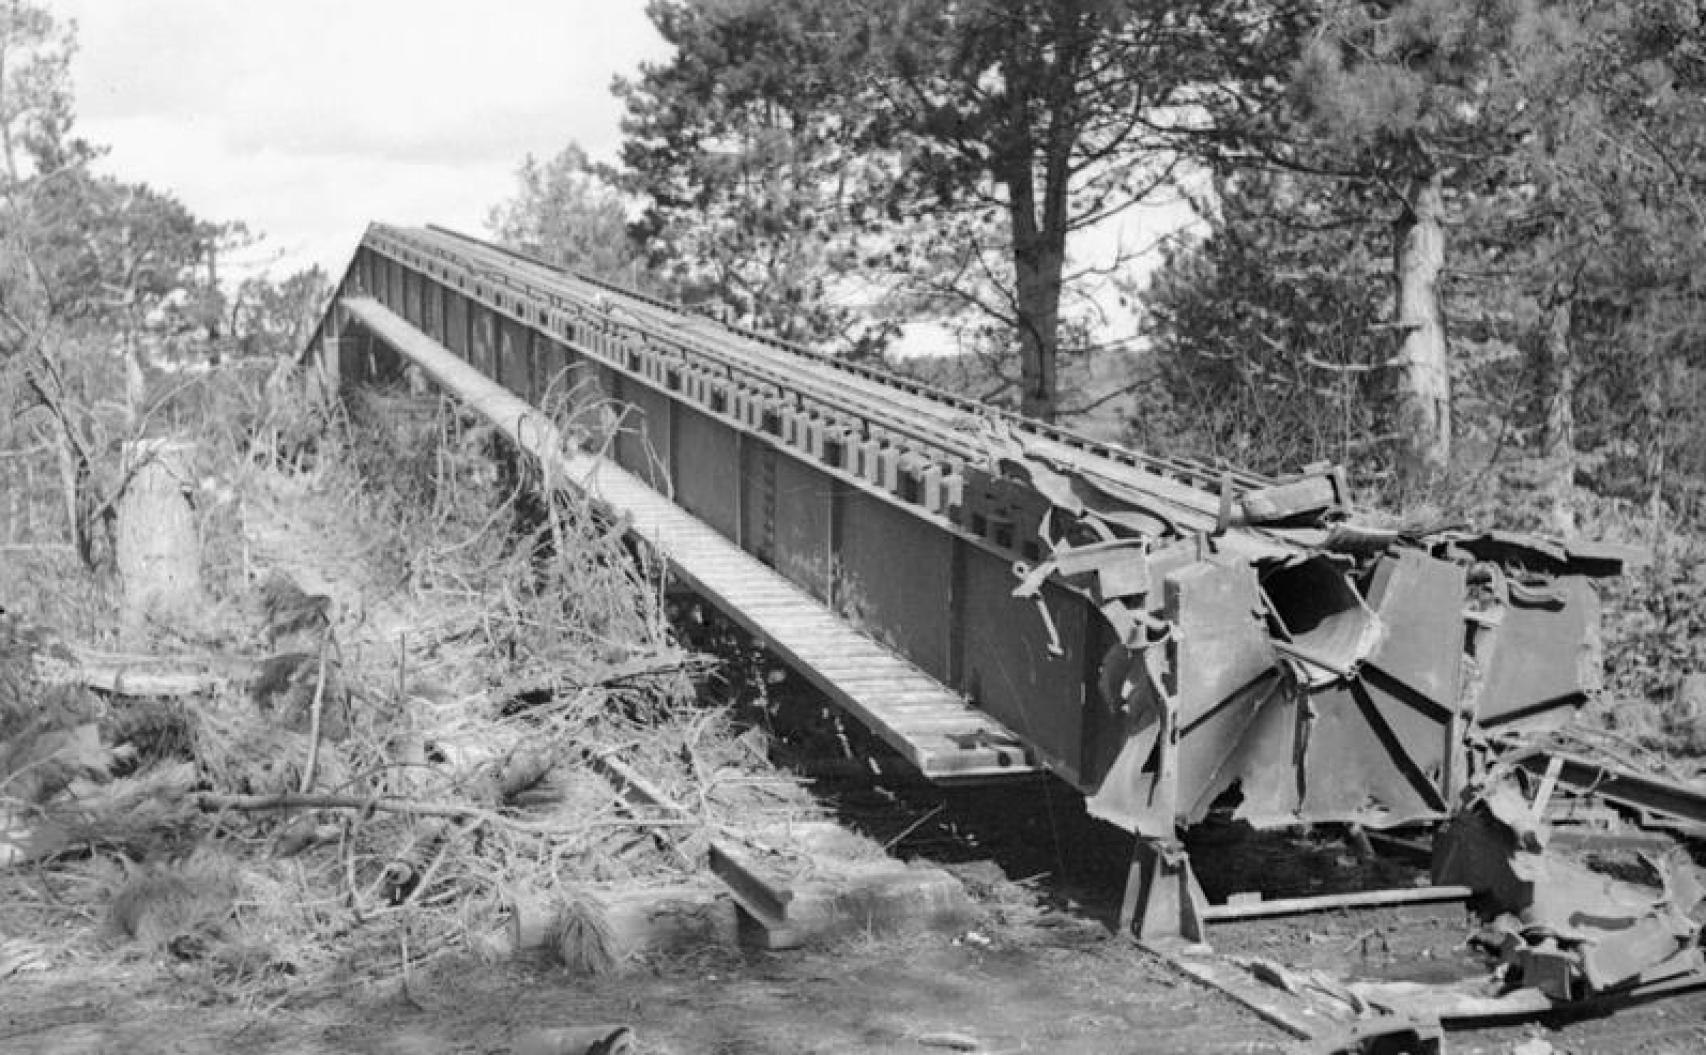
1286	696
1380	741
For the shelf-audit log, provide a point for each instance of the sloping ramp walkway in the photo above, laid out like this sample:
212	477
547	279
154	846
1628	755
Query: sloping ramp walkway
935	728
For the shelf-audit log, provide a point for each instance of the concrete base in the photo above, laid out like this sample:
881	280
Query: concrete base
644	922
838	885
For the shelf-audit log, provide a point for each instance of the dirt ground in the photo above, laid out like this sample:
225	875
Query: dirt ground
1064	994
899	995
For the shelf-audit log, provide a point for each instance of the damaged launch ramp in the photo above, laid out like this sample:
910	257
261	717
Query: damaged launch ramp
1169	637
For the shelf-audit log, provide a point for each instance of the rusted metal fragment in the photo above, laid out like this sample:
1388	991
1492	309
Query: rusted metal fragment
1308	498
1539	555
1244	750
1467	1004
1544	655
1382	743
1546	966
1360	539
1652	947
1605	559
1616	783
1115	570
1568	930
1492	848
1104	506
1323	623
1214	694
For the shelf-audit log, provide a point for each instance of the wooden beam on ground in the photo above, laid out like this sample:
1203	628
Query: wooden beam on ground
1293	906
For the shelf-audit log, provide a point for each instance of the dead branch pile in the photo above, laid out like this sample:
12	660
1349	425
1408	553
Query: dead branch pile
387	747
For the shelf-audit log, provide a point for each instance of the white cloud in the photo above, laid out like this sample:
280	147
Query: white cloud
308	119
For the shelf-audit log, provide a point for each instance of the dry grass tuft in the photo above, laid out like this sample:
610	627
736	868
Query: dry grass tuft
580	936
175	908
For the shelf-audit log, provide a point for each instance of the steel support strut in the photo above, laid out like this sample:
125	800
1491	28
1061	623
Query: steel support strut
1162	897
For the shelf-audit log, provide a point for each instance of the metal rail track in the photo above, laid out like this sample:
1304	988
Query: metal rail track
945	407
880	404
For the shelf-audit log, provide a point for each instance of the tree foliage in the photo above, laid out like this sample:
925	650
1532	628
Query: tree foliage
1412	103
570	213
954	147
1033	112
90	266
740	146
1564	142
35	91
1266	348
275	318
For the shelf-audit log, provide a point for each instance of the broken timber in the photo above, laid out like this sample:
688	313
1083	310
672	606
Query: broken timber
845	887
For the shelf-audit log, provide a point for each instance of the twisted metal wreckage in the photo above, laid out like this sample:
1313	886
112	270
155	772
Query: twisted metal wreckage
1291	665
1170	638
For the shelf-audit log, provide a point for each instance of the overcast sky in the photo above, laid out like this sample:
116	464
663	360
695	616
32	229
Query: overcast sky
307	119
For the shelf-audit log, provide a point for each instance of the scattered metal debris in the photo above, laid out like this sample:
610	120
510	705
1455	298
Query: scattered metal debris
1558	925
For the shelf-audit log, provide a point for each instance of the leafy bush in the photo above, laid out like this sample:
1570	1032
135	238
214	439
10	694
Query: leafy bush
1655	632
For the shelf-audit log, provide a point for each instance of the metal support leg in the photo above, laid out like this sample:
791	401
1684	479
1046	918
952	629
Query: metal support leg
1162	897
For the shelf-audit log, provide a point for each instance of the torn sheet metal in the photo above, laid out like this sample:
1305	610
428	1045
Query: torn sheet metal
1382	741
1276	662
1541	659
1205	709
1558	925
1296	698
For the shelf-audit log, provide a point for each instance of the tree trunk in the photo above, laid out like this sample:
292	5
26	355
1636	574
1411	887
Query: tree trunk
1558	424
1424	380
135	383
74	468
1037	287
1039	258
1653	411
157	550
73	476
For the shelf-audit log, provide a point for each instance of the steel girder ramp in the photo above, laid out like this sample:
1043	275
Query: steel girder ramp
1172	639
934	728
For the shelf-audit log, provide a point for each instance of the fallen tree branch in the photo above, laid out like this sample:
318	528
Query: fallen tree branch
212	802
314	711
126	675
618	675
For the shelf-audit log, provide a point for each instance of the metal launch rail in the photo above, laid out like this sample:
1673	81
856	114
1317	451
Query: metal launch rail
995	596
